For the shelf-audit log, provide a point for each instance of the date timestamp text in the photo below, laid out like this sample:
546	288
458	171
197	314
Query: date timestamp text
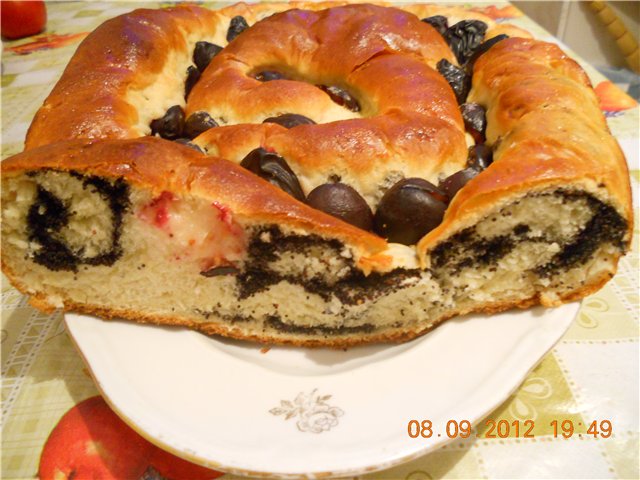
504	429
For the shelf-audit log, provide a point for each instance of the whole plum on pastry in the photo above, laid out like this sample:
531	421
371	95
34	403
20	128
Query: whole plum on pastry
409	210
343	202
273	168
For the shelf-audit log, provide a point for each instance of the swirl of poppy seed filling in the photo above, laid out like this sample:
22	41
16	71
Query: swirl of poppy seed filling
466	248
350	285
49	215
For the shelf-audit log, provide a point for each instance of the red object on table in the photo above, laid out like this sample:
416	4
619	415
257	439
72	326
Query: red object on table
91	442
22	18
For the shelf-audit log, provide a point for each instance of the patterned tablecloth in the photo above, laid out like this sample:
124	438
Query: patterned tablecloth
591	374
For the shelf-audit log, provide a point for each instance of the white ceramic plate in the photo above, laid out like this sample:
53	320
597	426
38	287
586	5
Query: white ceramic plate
295	412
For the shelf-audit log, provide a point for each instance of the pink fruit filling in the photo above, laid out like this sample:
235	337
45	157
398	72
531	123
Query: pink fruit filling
204	233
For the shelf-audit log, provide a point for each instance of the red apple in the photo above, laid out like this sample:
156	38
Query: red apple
91	442
612	98
22	18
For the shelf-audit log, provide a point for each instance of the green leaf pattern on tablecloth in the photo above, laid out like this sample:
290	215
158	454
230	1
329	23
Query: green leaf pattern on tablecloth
587	319
603	316
543	397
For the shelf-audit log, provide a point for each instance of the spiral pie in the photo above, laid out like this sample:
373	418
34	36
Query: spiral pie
317	174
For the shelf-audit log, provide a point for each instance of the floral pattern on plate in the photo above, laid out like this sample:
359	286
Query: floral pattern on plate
313	412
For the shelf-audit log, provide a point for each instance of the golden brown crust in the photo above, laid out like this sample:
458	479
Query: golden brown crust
126	52
376	150
401	95
547	132
319	48
412	122
164	166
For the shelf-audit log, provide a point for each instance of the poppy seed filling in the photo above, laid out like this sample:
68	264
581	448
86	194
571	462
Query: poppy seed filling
324	268
49	215
466	249
349	285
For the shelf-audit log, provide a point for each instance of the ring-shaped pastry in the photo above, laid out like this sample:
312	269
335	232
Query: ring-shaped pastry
101	216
